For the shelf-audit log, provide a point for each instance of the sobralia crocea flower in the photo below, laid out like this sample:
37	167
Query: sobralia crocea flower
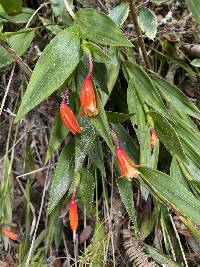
87	96
68	118
153	139
73	215
126	165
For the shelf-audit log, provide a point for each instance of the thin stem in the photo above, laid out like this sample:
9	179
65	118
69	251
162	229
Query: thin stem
139	33
69	10
17	58
36	11
7	89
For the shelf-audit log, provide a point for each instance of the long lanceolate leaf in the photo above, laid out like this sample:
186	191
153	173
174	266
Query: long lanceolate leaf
98	27
63	175
70	162
175	97
146	90
172	193
56	63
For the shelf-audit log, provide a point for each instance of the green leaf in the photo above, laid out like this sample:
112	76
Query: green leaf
175	97
98	54
145	88
148	224
195	8
54	66
12	7
85	191
126	193
98	27
142	129
172	193
19	41
168	135
119	13
195	62
100	122
58	134
100	77
176	173
116	117
112	73
96	155
83	142
161	258
63	176
22	17
148	22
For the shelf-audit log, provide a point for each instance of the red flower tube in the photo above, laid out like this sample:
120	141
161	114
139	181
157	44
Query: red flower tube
8	233
126	165
87	96
73	215
68	118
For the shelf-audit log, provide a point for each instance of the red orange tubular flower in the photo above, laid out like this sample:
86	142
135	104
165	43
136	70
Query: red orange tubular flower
8	233
153	139
126	165
73	214
87	96
68	118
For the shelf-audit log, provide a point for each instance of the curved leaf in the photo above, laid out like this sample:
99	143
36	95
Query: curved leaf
85	191
172	192
148	22
83	142
145	88
19	41
98	27
168	135
100	122
12	7
98	54
174	96
56	63
119	13
126	193
63	176
116	117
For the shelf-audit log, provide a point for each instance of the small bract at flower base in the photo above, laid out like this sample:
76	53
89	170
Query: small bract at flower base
87	96
73	215
126	165
68	118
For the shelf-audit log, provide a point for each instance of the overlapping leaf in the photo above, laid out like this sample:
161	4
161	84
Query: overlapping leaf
98	27
172	193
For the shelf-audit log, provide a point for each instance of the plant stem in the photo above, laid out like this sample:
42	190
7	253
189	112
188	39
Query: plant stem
16	57
139	33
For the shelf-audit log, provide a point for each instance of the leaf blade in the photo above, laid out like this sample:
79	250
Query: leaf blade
56	63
